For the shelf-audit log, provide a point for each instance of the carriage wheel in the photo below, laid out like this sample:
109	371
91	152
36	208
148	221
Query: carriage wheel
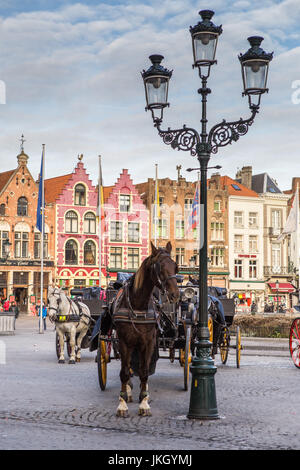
238	346
294	342
187	356
224	344
210	328
102	364
57	346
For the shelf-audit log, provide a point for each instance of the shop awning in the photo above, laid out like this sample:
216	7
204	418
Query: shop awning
283	287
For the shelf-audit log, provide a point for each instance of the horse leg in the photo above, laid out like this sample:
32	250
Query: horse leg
61	338
145	359
78	343
72	343
125	393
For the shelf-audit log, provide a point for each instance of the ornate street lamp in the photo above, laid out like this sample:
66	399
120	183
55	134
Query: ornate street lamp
255	65
6	249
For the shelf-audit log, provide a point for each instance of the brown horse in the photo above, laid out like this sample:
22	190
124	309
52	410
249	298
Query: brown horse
135	317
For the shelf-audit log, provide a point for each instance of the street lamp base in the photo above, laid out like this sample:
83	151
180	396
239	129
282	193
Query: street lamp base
203	402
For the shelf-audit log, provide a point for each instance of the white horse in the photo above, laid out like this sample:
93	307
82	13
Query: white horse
61	310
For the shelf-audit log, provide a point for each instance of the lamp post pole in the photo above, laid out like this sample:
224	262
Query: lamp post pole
254	63
277	289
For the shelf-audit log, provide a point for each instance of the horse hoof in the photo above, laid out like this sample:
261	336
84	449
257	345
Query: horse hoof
122	413
61	361
77	359
143	412
71	361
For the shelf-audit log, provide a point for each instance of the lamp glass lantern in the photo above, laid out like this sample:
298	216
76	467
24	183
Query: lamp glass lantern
205	39
156	82
6	248
255	67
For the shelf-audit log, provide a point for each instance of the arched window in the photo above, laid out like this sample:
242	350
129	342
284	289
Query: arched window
71	252
22	208
80	195
89	252
89	223
71	225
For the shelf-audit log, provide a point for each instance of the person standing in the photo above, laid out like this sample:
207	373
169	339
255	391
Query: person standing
44	315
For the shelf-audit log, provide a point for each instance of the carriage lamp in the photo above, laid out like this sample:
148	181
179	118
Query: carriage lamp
156	81
202	145
204	40
255	67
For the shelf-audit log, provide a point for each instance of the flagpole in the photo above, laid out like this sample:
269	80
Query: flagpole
41	330
100	228
155	207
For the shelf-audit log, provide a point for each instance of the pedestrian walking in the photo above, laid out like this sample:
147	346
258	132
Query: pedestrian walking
44	315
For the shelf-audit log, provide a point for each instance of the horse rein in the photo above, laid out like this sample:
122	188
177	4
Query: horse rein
162	283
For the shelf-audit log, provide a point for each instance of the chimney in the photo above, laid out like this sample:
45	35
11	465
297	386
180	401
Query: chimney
245	175
214	182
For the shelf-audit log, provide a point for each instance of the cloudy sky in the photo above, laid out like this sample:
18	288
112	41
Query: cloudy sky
73	83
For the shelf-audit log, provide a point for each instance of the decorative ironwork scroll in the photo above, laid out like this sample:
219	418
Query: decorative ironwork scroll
225	133
185	139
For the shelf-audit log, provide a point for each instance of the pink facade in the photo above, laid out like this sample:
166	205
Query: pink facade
126	234
77	253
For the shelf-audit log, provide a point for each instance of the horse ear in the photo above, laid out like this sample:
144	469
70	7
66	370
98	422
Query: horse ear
169	247
154	250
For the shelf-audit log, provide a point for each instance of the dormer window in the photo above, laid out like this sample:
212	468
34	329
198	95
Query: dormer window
124	202
80	195
22	208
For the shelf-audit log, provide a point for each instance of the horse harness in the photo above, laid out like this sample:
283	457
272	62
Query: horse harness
149	316
70	317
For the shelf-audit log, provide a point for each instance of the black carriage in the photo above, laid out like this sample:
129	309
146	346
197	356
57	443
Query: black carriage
221	311
95	299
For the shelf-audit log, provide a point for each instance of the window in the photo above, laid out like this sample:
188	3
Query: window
238	268
2	209
71	252
79	195
236	187
89	223
276	219
21	244
253	244
124	202
89	252
217	230
3	238
71	225
238	219
252	269
116	231
217	206
133	232
253	219
217	256
133	258
188	202
179	230
276	257
22	207
180	256
116	257
37	245
79	283
238	243
162	228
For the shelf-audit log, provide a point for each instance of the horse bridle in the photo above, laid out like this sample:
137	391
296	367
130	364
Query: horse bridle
161	283
58	302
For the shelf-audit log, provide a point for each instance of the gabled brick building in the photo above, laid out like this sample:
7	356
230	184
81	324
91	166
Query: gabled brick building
20	269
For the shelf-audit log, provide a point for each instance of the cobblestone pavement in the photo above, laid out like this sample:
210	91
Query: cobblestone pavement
60	406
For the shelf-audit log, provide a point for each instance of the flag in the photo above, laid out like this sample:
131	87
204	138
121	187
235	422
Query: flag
194	217
41	202
291	224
